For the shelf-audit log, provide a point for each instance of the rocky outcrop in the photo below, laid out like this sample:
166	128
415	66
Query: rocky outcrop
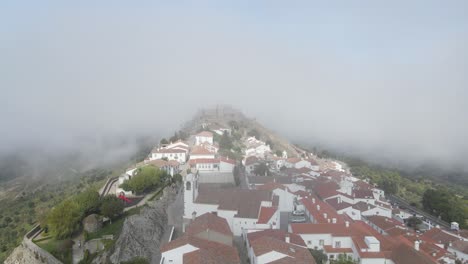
29	253
141	234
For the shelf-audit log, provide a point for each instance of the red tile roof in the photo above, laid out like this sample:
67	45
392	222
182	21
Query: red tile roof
295	253
228	160
363	194
330	249
311	228
266	213
205	134
203	161
337	204
384	223
199	150
326	189
209	221
318	210
293	160
439	236
246	202
278	234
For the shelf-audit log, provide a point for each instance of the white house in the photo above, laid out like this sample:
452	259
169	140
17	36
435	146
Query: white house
208	237
204	136
179	155
239	207
275	246
199	152
460	249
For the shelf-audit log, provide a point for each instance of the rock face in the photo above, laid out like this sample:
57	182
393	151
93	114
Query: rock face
141	234
92	223
23	255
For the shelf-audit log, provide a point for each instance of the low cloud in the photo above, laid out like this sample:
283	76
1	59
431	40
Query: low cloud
387	82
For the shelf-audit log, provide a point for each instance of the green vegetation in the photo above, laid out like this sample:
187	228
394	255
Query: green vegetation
61	249
164	141
146	179
254	133
111	207
319	256
444	203
413	222
343	259
444	200
64	219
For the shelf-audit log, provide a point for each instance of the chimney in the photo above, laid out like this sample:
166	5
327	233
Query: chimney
318	207
347	223
325	215
313	200
416	245
287	239
334	220
328	220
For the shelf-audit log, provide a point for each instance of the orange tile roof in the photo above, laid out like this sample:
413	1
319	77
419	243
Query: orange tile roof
209	251
318	214
205	134
295	253
199	150
278	234
266	213
209	221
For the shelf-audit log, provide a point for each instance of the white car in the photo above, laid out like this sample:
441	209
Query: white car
298	212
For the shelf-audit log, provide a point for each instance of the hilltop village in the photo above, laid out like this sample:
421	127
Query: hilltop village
286	205
224	189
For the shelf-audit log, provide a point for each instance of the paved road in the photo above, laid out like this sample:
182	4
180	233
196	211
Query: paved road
175	212
403	203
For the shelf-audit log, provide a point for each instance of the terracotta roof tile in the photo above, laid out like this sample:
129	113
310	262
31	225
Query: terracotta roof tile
295	253
266	213
278	234
209	221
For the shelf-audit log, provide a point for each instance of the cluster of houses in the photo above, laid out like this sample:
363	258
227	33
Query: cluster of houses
199	154
304	207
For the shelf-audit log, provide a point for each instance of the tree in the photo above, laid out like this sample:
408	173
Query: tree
269	143
147	178
164	141
319	256
254	133
111	206
343	259
177	178
88	201
441	202
413	222
279	153
262	170
64	219
225	142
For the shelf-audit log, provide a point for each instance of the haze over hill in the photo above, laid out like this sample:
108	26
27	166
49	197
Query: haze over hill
386	82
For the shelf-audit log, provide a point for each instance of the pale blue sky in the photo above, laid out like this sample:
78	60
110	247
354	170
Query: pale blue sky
365	75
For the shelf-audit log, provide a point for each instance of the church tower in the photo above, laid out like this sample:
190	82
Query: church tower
190	194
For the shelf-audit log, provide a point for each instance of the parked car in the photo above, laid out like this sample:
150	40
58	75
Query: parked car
298	219
298	212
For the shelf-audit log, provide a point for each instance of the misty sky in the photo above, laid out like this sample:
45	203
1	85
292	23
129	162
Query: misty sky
383	78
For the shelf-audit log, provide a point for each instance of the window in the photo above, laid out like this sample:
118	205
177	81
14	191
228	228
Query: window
321	242
337	244
309	242
188	186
